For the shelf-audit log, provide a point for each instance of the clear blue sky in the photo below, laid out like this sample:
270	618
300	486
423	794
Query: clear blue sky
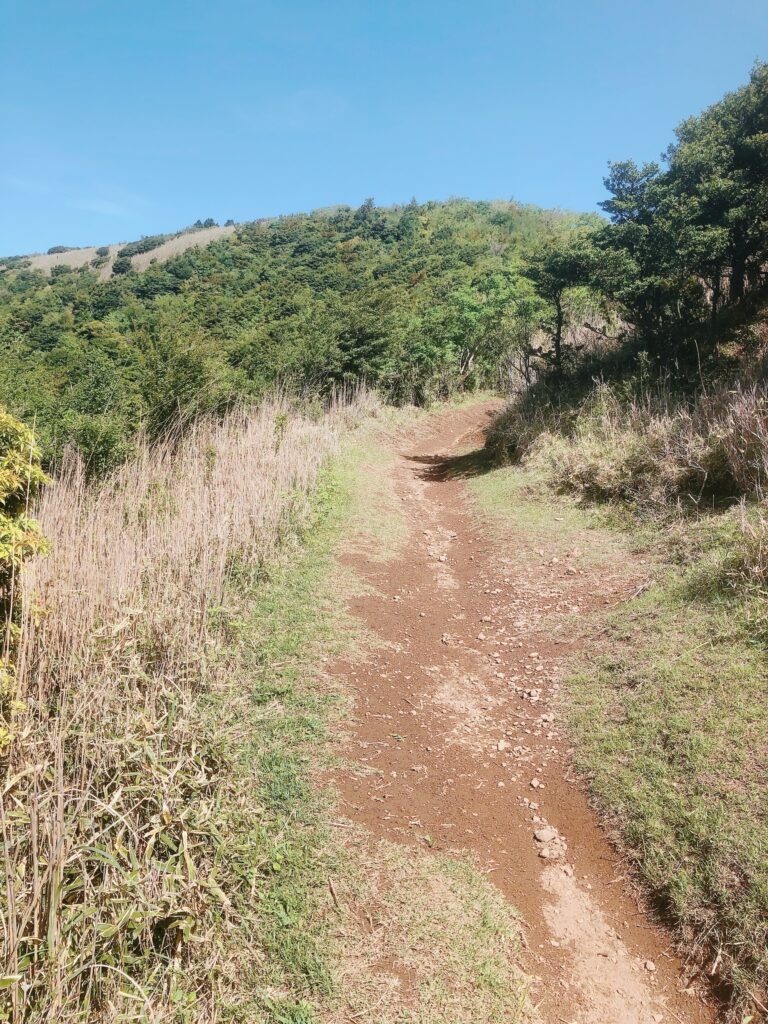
130	117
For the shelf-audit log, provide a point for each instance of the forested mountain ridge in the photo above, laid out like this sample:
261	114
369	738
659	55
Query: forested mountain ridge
418	300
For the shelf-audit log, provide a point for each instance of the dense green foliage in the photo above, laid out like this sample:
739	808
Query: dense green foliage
20	477
20	538
560	271
672	407
686	252
418	300
692	240
146	244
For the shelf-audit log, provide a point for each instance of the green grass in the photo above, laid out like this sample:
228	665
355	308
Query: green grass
273	722
517	503
668	712
447	937
671	723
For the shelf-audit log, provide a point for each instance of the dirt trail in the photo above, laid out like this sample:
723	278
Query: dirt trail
455	723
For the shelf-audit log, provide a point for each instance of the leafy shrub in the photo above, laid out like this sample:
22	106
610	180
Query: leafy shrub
103	250
122	265
146	244
59	248
99	438
20	538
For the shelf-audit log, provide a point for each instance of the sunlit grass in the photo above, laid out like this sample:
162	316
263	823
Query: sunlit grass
668	710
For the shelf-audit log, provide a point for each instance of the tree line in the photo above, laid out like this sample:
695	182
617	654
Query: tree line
418	300
684	254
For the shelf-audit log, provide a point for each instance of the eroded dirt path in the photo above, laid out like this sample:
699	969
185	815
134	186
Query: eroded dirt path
456	724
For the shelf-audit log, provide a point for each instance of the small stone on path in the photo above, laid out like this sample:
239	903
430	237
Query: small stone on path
545	835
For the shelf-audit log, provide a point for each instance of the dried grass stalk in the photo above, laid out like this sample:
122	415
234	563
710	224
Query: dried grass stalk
111	785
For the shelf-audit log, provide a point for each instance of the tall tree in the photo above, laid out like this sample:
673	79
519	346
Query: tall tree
557	269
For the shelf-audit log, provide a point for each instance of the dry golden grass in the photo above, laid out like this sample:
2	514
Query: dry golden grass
111	788
84	257
652	449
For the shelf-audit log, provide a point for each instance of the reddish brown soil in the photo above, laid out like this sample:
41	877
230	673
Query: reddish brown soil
456	717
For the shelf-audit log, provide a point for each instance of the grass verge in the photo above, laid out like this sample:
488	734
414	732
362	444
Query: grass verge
669	717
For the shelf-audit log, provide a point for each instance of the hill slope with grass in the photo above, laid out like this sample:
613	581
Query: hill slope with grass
419	301
101	258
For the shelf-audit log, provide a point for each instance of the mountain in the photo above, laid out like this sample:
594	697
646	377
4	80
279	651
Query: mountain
418	300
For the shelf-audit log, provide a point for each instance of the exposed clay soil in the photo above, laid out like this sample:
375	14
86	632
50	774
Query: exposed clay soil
456	732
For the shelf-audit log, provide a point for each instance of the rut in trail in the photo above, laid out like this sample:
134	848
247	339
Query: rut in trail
454	715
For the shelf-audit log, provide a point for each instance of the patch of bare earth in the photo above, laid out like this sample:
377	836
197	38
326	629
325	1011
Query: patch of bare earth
84	257
456	738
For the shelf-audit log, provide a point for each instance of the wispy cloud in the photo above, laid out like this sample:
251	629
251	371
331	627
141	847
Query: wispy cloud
78	193
108	200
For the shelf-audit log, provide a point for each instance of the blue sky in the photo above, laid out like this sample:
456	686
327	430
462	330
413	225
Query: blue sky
130	117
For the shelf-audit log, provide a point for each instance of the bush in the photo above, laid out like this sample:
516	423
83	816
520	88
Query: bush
59	271
122	265
59	248
100	440
20	473
20	538
103	250
14	262
146	244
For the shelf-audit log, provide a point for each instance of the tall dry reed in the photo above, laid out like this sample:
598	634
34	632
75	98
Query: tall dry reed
111	788
651	447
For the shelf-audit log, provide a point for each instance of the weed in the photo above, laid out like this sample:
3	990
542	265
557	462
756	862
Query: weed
118	823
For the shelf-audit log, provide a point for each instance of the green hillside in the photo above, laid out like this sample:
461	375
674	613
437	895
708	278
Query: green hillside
419	300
